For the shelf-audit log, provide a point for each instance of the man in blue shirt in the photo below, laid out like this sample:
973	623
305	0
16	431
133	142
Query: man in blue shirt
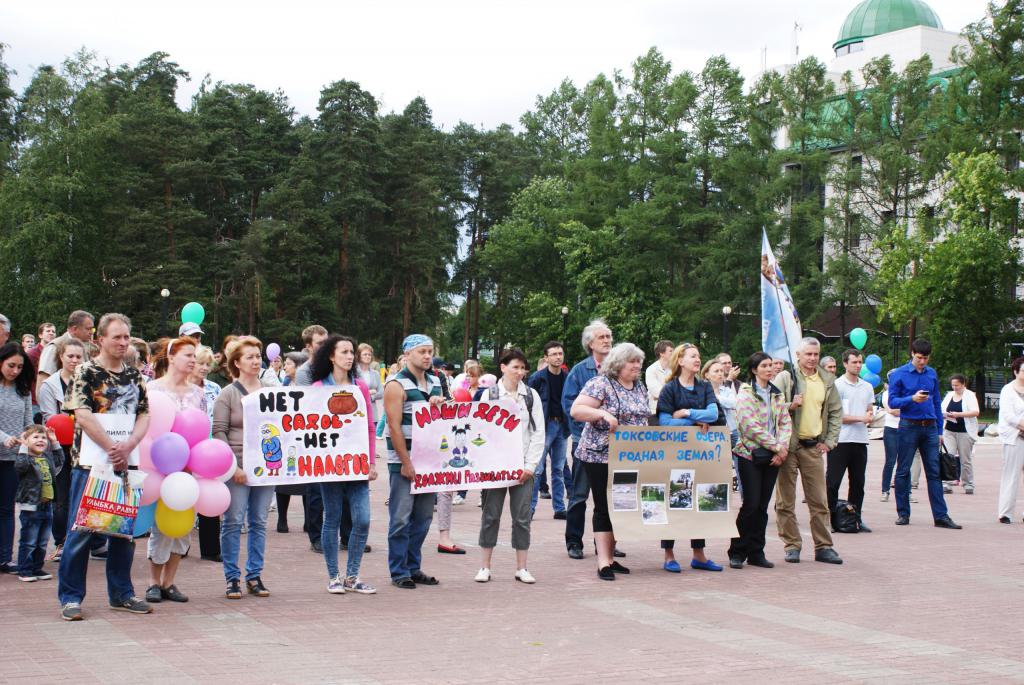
597	341
549	382
914	390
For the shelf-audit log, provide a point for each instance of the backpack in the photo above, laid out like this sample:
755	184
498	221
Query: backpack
492	395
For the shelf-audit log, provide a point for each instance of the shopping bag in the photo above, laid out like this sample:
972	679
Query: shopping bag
947	465
110	502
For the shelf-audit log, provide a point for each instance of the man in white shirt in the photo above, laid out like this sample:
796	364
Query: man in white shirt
851	453
657	373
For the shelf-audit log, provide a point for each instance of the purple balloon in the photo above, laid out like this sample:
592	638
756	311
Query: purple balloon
169	453
210	458
273	351
192	424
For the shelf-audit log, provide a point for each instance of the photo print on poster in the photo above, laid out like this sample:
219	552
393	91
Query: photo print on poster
713	497
624	490
652	497
680	489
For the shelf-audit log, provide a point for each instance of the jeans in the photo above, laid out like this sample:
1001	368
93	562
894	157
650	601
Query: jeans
911	439
256	503
35	535
752	520
576	514
891	440
313	506
410	516
74	561
8	489
554	444
341	496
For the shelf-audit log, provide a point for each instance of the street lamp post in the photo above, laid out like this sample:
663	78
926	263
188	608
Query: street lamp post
565	322
164	294
726	311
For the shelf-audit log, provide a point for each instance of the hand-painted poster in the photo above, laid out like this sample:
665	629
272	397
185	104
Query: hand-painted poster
466	446
669	482
305	435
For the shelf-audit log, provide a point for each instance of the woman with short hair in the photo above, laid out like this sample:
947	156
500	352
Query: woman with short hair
243	361
615	397
961	411
765	427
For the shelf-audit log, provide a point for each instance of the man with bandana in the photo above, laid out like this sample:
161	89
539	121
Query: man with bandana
410	515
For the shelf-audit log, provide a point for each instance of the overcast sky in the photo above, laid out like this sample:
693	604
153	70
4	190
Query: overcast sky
481	62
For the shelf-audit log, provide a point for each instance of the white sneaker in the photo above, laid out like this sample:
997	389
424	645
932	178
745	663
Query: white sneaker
483	575
913	500
337	585
884	497
458	499
524	576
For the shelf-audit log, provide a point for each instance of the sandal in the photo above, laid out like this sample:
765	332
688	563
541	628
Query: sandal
404	583
421	578
454	549
234	589
256	587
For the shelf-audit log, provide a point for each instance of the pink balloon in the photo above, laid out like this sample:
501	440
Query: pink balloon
192	424
145	458
214	497
151	487
210	458
161	414
229	471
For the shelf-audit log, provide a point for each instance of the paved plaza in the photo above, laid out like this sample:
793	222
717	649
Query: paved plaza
909	605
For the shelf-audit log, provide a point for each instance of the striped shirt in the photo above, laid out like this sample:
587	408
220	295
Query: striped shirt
414	397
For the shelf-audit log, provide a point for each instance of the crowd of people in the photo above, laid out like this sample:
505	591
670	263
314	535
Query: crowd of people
806	421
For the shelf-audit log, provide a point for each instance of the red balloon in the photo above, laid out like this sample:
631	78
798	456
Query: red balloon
462	395
64	427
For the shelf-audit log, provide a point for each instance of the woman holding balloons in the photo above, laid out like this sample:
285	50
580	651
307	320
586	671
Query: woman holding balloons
174	363
209	526
243	360
70	353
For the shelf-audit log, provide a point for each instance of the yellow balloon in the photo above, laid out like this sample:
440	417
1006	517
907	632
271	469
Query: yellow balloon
174	524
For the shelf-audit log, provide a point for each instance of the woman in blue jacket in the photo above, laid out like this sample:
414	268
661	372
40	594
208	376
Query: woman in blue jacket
686	400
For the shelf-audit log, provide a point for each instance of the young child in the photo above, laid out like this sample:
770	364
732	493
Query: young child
38	463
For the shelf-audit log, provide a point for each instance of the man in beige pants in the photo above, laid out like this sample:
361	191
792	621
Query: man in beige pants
817	416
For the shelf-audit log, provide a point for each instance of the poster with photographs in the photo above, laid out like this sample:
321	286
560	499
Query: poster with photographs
671	482
624	494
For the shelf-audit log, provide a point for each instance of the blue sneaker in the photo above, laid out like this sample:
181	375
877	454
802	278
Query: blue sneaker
704	565
672	566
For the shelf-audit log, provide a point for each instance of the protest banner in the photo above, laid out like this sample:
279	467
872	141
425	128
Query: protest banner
670	482
305	435
466	446
118	428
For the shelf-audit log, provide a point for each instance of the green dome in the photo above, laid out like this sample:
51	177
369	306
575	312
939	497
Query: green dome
875	17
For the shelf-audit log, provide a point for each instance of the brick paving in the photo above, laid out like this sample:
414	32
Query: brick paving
910	605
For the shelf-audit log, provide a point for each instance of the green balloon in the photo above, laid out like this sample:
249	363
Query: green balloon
865	372
193	312
859	338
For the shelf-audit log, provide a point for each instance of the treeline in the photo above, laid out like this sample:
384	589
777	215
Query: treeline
639	197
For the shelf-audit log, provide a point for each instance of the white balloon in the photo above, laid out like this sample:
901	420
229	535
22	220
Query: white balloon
226	476
179	491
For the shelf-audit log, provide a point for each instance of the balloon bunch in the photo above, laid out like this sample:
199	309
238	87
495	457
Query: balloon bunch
185	469
872	369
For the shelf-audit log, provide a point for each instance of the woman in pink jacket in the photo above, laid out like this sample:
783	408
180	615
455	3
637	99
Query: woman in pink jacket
334	365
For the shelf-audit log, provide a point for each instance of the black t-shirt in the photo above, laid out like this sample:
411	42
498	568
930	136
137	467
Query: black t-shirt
956	425
555	385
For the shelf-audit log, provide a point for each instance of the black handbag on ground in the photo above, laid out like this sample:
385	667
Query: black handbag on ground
947	464
845	518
